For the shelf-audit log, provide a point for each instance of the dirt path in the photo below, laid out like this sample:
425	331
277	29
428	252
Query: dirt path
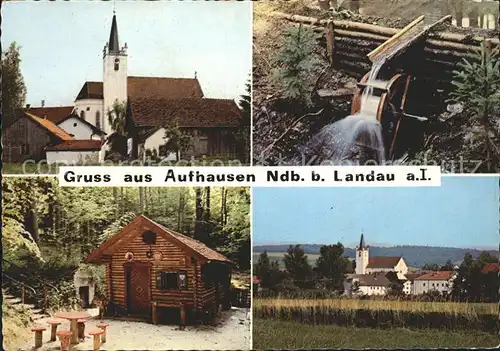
232	332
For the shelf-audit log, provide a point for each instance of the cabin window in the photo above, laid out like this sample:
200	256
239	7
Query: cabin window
98	119
171	280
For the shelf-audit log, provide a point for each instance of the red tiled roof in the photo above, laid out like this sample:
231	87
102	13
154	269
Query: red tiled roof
160	112
137	87
76	145
49	126
383	262
171	88
441	275
91	90
195	246
491	267
53	114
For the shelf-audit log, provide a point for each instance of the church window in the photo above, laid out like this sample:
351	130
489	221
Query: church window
424	284
117	64
82	114
88	108
75	124
98	119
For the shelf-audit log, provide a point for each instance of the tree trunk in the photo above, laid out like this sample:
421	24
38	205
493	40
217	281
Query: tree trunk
141	200
31	223
198	227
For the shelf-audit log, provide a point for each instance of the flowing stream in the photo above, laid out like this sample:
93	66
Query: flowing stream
355	139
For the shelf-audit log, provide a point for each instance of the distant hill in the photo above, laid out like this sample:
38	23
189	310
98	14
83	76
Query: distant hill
415	256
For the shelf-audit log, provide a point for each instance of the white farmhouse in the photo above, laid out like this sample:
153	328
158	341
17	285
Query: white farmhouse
436	281
80	129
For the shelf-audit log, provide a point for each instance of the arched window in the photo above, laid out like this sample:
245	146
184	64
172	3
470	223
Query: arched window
98	119
82	114
117	64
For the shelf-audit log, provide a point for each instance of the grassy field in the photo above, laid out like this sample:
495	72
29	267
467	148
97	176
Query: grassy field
291	335
396	305
380	314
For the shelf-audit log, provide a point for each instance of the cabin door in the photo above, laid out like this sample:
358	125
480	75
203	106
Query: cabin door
138	289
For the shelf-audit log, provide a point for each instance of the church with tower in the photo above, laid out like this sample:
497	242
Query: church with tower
376	275
143	108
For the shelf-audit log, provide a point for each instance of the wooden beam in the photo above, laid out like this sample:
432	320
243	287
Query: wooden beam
418	21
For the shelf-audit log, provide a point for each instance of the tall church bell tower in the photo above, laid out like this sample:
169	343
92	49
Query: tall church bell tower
115	74
362	256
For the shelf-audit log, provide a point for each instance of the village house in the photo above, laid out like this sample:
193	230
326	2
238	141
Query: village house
151	269
441	282
151	104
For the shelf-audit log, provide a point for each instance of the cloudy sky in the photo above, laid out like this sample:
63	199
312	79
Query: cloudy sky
463	212
62	43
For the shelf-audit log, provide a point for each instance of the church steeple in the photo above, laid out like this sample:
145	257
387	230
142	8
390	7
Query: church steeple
113	44
362	241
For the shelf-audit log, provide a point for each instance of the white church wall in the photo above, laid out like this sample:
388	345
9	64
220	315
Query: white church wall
72	157
90	107
78	129
114	83
83	279
362	259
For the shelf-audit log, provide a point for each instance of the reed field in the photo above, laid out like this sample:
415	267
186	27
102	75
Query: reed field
274	334
381	313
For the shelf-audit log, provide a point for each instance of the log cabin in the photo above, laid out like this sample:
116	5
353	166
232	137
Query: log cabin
150	269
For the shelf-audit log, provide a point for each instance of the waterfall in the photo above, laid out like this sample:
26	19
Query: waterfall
355	139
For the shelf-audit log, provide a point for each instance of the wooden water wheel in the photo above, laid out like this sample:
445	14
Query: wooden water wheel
387	104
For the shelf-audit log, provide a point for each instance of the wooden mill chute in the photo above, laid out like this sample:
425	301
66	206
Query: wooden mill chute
389	97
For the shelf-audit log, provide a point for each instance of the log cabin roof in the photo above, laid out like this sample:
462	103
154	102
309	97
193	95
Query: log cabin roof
141	223
160	112
49	127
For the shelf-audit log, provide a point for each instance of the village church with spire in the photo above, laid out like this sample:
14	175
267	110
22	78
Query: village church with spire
83	133
376	275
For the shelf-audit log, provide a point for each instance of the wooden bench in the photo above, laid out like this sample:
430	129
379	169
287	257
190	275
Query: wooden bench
53	328
65	338
96	333
180	306
103	326
38	335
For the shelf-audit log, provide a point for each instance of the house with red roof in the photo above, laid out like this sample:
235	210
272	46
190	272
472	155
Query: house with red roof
149	106
441	281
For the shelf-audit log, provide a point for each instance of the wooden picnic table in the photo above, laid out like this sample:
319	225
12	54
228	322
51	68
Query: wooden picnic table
73	317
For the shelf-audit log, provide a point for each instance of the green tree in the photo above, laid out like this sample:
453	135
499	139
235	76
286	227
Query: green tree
243	133
13	87
176	140
396	285
430	267
448	266
295	63
331	265
117	119
477	84
298	267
